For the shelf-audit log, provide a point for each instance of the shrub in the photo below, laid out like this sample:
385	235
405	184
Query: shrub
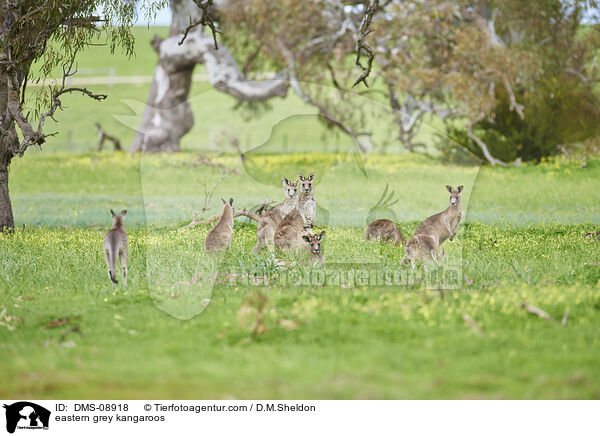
559	112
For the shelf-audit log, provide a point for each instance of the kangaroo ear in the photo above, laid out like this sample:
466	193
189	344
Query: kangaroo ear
320	235
112	212
311	177
306	238
223	200
449	188
124	212
460	188
300	176
231	201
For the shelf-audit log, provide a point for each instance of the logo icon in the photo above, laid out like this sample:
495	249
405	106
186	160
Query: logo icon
26	415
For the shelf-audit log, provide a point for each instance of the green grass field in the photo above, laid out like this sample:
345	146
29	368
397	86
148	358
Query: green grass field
366	340
65	332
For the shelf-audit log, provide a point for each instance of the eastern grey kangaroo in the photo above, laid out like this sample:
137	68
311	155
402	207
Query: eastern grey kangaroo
115	244
270	219
432	232
386	231
219	237
307	205
315	249
290	230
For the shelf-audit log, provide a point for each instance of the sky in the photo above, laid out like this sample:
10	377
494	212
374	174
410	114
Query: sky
163	18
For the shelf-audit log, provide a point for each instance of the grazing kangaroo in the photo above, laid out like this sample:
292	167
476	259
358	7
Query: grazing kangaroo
386	231
432	232
307	205
270	219
219	237
314	247
290	230
115	244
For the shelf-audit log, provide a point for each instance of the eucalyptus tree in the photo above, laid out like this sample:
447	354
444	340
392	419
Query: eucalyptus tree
497	65
49	33
302	41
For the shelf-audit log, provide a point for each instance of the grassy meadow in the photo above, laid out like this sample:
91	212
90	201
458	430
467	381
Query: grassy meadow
380	331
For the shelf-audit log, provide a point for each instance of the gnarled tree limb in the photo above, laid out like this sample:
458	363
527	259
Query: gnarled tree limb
486	153
223	71
31	135
361	44
207	19
297	88
215	217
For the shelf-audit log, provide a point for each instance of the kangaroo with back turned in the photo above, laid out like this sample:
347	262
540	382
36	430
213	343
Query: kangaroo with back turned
219	237
434	231
269	219
115	244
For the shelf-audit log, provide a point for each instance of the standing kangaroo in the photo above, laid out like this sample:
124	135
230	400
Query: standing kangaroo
270	219
386	231
307	205
219	237
115	244
432	232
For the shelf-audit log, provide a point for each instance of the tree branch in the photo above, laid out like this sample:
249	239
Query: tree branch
491	159
102	135
361	44
207	19
223	71
36	136
537	311
215	217
518	108
581	77
295	85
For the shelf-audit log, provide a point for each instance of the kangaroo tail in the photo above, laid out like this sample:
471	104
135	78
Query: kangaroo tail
112	277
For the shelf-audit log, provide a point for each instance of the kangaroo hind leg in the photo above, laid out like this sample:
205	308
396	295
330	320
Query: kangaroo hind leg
123	255
111	273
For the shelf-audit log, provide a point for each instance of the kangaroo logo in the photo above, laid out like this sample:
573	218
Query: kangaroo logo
383	208
26	415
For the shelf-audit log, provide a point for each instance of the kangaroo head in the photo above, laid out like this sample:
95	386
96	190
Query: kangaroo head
118	219
306	183
455	194
228	206
314	242
290	189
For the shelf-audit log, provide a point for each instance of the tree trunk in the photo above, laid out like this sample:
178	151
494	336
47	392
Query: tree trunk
8	135
167	116
7	221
